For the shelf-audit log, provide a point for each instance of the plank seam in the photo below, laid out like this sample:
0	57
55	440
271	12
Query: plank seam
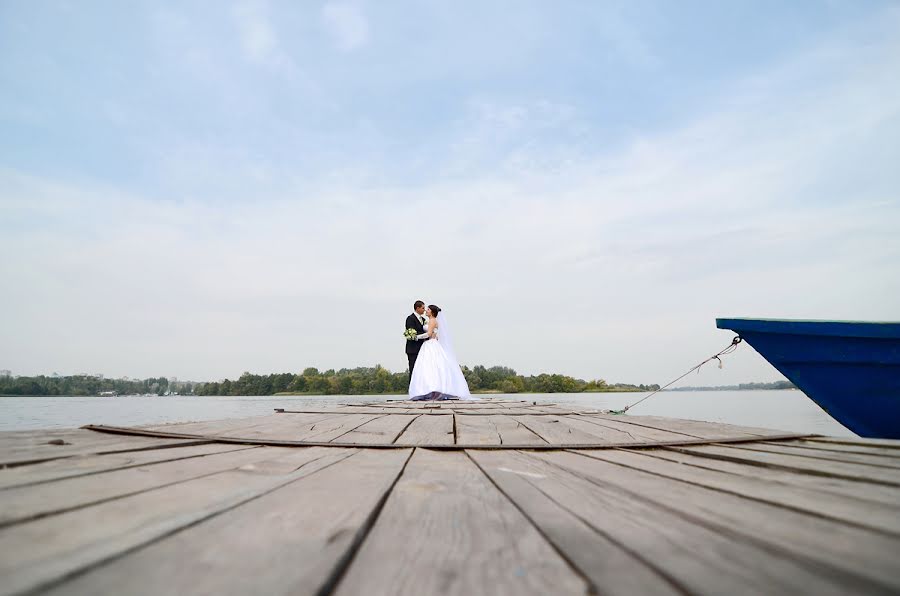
408	424
631	422
363	423
859	443
288	443
41	515
201	441
621	545
124	467
825	449
534	432
342	565
66	576
794	508
728	531
818	457
592	588
764	464
748	474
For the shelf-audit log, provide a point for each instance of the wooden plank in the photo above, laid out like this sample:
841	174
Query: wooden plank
384	429
466	538
694	557
33	447
513	432
33	501
476	430
494	430
291	541
41	553
858	553
428	430
611	568
865	492
555	431
294	427
828	456
212	427
849	471
874	516
280	427
886	443
840	448
83	465
319	427
616	432
696	428
329	429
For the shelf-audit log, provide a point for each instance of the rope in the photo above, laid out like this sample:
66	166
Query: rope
728	350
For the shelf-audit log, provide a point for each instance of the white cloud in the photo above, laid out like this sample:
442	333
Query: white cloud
346	23
257	36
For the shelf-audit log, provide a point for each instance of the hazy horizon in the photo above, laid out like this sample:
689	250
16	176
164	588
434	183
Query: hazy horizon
201	190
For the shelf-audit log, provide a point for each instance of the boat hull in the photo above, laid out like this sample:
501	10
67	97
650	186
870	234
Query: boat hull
850	369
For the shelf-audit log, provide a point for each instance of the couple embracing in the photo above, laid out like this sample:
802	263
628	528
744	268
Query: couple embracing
434	371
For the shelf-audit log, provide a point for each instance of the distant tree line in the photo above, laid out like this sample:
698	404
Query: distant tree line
89	385
356	381
741	387
379	380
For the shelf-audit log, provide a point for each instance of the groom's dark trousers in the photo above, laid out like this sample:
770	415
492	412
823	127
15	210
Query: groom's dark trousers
413	346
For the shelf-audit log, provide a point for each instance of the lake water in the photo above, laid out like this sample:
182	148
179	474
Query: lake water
788	410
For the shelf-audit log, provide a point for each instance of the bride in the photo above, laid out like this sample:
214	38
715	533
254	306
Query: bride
436	374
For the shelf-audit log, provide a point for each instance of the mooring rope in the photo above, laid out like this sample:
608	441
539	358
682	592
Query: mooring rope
731	348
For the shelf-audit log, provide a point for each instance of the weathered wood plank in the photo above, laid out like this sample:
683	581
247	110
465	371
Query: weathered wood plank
849	471
617	432
431	429
513	432
296	427
611	568
828	456
476	430
21	448
874	516
28	502
841	448
39	554
290	541
384	429
864	492
466	538
696	428
275	426
212	427
858	553
555	431
495	430
83	465
886	443
696	558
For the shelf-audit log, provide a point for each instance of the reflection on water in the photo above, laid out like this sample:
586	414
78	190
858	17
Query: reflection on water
785	410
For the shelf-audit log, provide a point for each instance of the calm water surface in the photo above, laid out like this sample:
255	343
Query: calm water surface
784	410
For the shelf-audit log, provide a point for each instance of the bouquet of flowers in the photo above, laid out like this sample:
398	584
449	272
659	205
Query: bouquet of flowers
410	334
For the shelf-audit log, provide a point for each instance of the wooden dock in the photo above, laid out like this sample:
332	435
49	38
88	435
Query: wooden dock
487	497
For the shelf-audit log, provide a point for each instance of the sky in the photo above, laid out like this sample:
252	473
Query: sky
198	189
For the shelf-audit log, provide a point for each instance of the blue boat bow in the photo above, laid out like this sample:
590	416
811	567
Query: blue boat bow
850	369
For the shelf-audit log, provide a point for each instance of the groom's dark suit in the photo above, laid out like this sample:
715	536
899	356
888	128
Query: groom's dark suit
413	346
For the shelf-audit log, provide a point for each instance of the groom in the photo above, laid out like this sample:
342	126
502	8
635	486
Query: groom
415	321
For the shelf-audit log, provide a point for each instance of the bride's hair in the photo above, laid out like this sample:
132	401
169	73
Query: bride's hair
434	309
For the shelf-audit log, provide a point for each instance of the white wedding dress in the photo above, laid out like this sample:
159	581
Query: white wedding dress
437	374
